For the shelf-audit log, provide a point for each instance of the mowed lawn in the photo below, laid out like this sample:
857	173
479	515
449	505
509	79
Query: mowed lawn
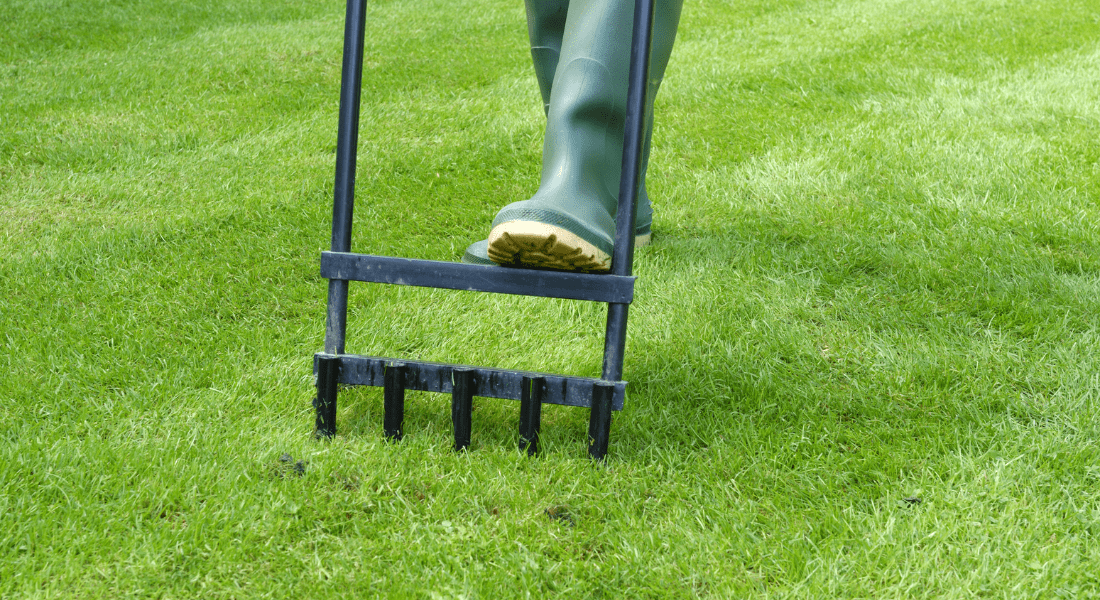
864	354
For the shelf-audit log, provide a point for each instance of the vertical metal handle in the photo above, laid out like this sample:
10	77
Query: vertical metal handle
347	141
622	261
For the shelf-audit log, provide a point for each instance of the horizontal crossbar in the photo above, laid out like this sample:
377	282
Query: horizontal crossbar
488	382
477	278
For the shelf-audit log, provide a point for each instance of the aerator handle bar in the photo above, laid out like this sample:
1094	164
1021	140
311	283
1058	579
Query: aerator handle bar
463	382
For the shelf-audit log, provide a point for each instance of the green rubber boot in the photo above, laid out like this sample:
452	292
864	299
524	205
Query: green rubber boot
545	30
569	223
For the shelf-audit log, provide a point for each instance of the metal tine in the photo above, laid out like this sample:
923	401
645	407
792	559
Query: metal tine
530	414
394	400
599	421
463	383
328	370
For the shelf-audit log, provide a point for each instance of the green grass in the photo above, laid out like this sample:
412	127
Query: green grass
875	276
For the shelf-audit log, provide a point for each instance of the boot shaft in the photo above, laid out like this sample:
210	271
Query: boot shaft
586	114
545	29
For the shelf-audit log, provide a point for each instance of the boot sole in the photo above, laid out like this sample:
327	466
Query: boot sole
478	252
542	246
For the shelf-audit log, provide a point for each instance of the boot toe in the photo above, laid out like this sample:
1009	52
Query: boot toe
477	253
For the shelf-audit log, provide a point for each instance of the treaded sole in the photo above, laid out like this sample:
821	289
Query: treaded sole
477	253
538	245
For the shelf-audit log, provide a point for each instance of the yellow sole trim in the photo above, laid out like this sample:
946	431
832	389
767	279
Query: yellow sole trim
538	245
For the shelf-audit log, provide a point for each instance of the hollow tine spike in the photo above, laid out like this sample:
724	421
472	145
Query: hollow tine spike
462	400
394	400
599	422
530	414
328	370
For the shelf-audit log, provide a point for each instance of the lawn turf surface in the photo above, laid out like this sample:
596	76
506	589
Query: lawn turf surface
863	354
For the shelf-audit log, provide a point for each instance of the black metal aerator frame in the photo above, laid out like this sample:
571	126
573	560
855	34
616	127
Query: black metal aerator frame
340	265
